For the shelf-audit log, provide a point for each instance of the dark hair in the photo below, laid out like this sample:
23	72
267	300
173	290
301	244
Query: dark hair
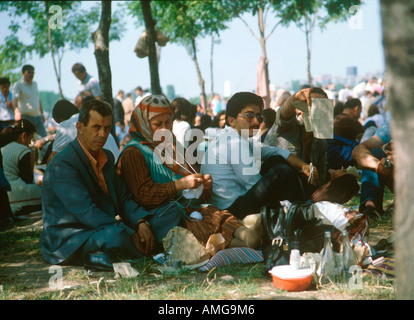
319	90
103	108
78	67
241	100
63	110
4	81
86	96
205	122
216	120
373	110
27	67
338	108
12	132
352	103
183	110
269	117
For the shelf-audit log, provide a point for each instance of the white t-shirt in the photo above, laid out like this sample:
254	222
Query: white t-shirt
67	132
90	84
180	129
6	113
28	98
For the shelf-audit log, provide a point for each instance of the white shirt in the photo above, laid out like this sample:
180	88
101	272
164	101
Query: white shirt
67	132
234	164
90	84
140	97
180	129
27	95
6	113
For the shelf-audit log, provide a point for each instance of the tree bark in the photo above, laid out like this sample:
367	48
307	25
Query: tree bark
264	54
201	81
211	68
101	40
152	49
398	40
49	33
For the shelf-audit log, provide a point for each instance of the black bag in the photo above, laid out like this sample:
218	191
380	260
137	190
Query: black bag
283	231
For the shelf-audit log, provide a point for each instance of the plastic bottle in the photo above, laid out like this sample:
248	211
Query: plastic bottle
328	274
294	259
348	257
172	255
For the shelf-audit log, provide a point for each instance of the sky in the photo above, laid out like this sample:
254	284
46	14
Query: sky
357	42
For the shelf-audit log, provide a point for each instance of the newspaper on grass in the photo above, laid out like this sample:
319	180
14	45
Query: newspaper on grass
318	118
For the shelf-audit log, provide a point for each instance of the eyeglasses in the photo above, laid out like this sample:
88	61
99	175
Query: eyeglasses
250	116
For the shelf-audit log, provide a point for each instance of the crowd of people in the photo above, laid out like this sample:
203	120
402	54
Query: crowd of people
118	179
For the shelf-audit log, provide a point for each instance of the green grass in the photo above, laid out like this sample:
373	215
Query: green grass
229	282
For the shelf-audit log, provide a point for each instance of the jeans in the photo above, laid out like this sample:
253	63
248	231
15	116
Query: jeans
38	123
372	188
279	182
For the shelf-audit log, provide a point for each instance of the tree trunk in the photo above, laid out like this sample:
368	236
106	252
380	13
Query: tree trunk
101	40
398	40
308	47
152	49
211	68
309	24
266	61
201	81
57	72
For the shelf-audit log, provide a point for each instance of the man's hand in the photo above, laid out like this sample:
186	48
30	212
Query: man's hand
385	170
311	173
144	239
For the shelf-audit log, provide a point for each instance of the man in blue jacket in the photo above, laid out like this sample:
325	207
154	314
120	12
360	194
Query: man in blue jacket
89	216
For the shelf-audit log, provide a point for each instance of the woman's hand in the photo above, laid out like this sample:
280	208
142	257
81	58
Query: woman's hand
192	181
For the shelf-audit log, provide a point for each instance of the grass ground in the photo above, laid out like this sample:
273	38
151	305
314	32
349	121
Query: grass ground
25	276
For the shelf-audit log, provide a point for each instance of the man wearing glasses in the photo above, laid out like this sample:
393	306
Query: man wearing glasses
247	174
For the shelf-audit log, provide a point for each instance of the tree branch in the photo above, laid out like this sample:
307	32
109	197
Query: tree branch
250	29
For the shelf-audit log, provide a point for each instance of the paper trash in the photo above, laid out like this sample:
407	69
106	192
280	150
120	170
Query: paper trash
124	270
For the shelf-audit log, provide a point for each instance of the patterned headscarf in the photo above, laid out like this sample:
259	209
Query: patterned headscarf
148	108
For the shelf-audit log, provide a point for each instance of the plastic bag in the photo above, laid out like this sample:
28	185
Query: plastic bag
193	193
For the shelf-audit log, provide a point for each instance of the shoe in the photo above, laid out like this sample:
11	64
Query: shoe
6	224
372	213
98	261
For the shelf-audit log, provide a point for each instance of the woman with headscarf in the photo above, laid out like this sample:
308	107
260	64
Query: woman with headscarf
156	173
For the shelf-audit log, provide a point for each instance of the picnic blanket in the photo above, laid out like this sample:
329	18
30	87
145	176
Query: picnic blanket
226	257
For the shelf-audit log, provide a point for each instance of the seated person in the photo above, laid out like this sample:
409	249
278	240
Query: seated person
233	160
62	110
288	132
66	131
269	117
376	160
153	183
89	216
18	166
348	132
238	185
6	215
184	116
